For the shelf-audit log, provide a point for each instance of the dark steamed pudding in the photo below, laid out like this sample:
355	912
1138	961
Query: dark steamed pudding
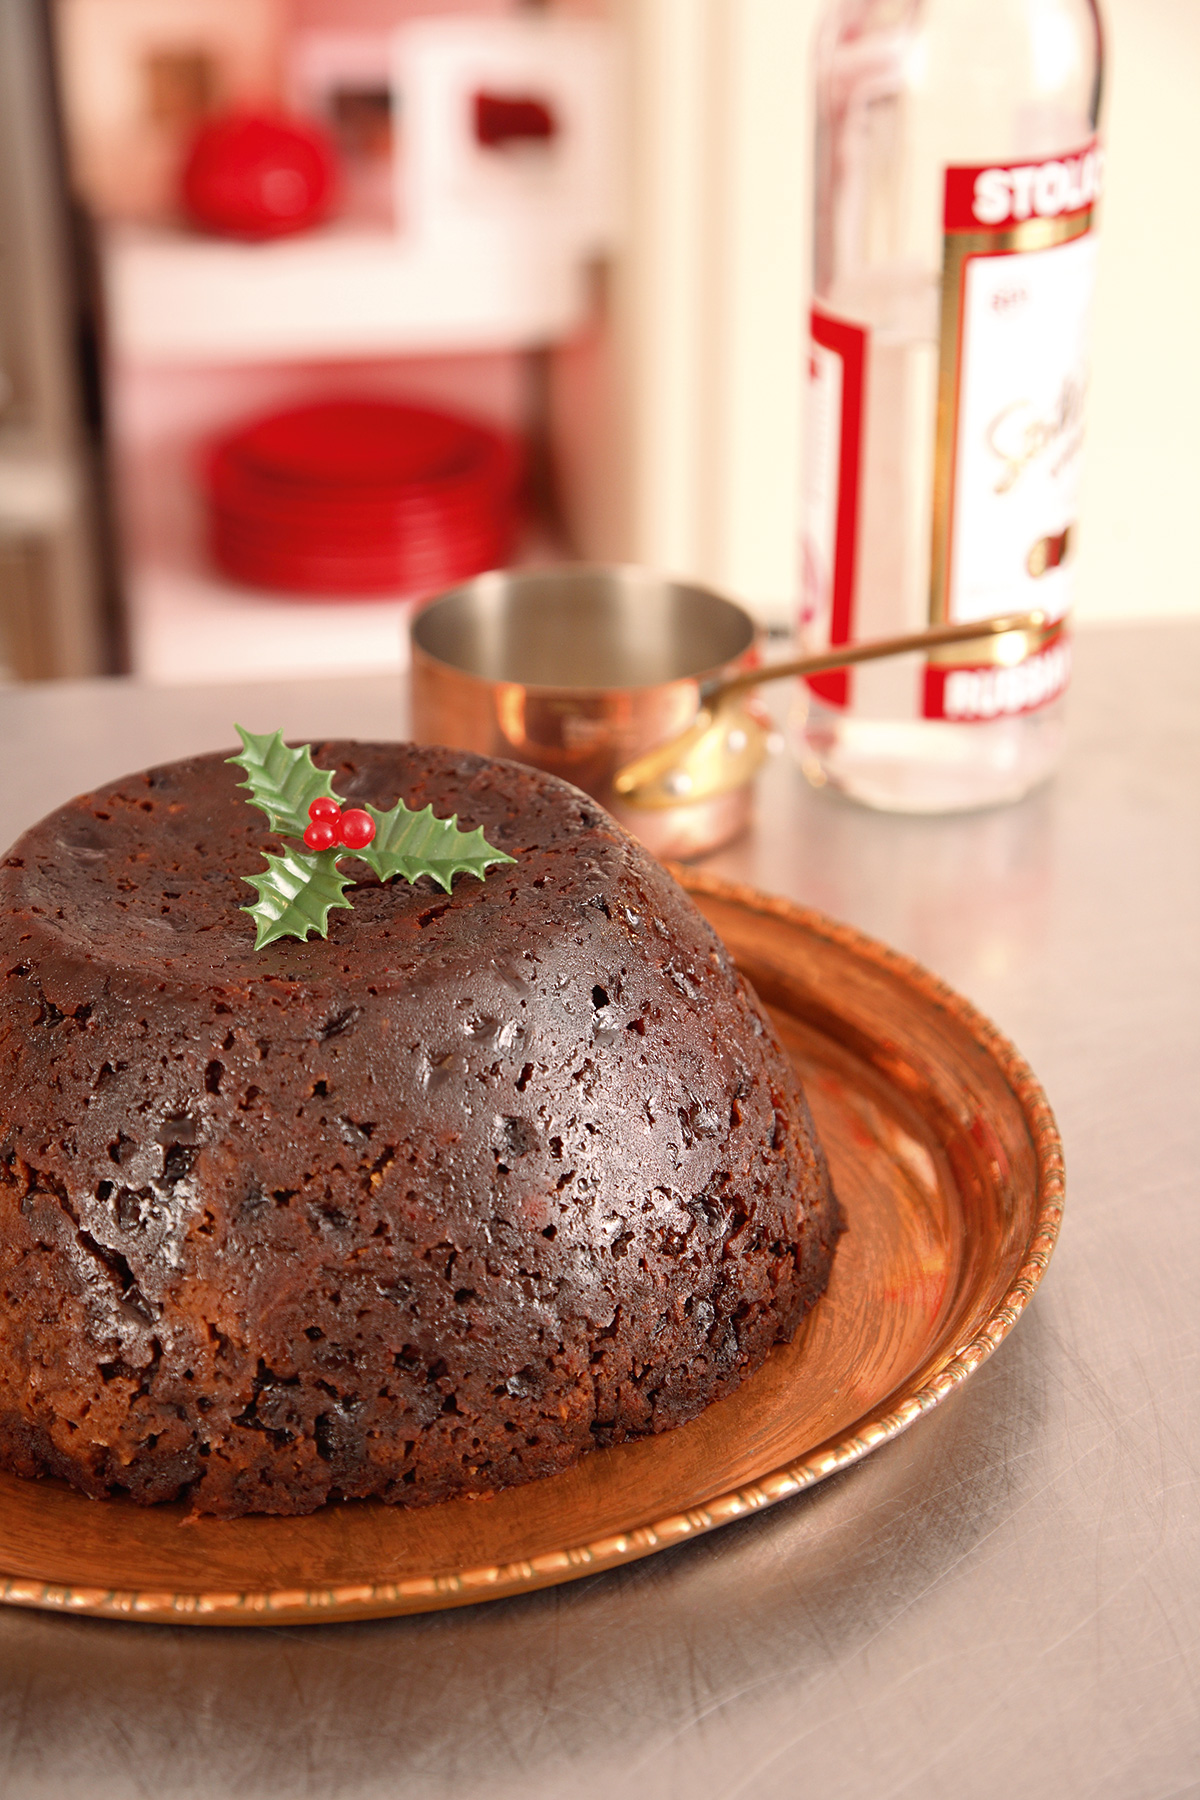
480	1183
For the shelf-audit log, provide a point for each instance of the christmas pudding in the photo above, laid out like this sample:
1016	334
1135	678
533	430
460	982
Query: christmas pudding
507	1166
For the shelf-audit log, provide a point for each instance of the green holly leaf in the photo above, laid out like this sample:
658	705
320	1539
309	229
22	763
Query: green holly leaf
299	890
296	895
409	844
282	782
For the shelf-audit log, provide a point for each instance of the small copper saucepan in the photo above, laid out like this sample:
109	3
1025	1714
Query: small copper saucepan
636	688
579	670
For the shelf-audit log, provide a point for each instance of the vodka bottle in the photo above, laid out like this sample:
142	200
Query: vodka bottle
957	173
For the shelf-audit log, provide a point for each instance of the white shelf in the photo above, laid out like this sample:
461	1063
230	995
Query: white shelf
172	296
187	626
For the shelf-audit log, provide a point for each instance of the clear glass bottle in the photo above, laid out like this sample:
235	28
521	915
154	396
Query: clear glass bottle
957	169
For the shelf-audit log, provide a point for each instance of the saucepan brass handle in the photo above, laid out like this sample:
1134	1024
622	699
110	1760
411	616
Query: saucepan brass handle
727	741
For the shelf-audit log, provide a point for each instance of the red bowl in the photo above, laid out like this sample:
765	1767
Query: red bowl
361	496
290	507
358	443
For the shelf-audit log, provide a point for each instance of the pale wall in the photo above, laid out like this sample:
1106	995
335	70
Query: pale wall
1142	495
699	469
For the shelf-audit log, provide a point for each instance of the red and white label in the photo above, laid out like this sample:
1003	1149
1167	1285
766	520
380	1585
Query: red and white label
1019	268
835	395
972	694
1018	297
1003	194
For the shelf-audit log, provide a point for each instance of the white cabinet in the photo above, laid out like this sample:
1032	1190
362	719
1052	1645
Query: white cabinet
505	187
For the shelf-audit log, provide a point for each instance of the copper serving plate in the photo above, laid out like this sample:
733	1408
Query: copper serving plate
948	1163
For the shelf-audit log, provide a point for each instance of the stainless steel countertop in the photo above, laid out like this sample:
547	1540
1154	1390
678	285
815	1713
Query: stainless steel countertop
1005	1600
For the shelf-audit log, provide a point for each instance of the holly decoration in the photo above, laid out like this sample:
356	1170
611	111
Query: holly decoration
300	889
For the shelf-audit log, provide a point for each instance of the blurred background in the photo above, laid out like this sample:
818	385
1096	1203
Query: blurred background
468	282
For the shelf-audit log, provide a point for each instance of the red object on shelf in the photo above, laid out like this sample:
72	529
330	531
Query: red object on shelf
502	119
359	497
254	175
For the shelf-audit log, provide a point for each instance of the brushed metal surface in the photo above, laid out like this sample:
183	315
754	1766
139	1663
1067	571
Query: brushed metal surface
1007	1598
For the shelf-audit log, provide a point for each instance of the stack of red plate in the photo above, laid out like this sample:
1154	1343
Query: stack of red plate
351	497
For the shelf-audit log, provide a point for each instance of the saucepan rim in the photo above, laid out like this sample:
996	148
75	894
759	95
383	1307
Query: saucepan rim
506	584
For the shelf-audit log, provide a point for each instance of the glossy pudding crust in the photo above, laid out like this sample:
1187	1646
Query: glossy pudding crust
432	1207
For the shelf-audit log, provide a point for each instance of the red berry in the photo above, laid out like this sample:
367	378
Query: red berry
321	835
325	808
358	828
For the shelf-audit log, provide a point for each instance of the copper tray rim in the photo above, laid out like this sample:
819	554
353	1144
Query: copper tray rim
907	1403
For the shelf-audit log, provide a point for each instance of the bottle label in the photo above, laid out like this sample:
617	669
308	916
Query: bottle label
837	354
1017	277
